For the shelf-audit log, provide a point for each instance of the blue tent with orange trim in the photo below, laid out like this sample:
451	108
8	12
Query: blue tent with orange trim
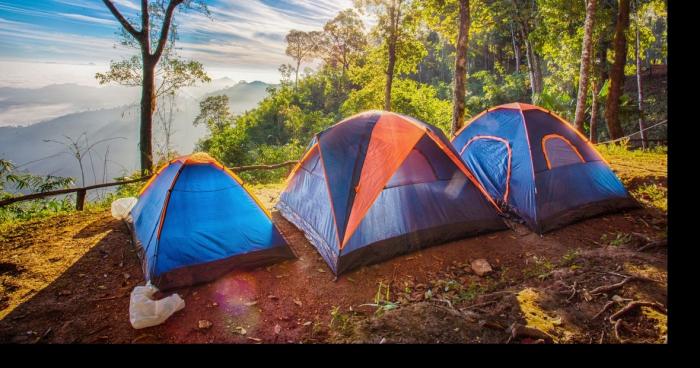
195	221
538	167
379	184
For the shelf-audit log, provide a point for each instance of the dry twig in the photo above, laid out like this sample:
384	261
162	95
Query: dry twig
606	288
605	307
637	303
654	244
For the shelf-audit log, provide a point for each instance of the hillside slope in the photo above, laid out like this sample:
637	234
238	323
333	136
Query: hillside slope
119	124
68	278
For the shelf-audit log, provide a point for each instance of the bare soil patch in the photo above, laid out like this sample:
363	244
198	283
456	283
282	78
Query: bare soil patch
67	279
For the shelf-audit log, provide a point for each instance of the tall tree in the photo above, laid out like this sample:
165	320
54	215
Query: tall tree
593	125
638	62
344	39
302	46
585	65
516	48
152	43
392	15
460	77
214	112
617	72
525	15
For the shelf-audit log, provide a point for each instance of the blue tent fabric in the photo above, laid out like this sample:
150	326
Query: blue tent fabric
489	159
342	150
555	176
428	200
196	221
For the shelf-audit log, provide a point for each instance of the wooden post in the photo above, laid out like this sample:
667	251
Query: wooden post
80	199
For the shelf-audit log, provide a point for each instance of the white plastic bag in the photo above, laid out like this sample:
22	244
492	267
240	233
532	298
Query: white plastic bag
146	312
122	206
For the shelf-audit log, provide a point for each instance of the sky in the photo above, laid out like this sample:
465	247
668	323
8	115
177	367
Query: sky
67	41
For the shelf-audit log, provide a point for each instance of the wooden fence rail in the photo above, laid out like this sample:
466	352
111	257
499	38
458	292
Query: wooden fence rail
82	191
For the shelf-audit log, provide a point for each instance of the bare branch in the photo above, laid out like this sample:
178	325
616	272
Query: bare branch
125	23
165	29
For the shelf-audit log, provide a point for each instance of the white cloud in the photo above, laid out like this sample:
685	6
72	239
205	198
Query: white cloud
127	4
29	114
89	19
86	4
244	37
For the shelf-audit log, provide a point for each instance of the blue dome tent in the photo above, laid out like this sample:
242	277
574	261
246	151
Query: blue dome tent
379	184
538	167
195	221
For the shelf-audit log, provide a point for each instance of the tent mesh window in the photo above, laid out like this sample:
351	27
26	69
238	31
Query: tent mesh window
558	151
414	170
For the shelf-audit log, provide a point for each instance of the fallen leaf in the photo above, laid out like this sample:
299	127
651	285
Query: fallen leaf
297	302
321	270
272	297
249	304
278	329
254	339
307	323
241	330
102	287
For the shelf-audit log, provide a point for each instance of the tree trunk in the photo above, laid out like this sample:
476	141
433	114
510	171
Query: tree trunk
460	67
532	65
296	75
537	72
617	73
600	70
585	66
149	62
516	49
147	109
640	97
593	137
390	74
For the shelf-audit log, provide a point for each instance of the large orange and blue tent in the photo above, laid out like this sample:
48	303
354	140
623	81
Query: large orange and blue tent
538	167
379	184
195	221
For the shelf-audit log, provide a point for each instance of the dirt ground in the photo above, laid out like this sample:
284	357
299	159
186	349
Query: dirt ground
67	279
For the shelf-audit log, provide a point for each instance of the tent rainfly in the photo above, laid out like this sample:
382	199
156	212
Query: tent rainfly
195	221
379	184
538	167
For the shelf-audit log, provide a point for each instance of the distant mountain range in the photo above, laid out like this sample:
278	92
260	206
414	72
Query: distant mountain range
106	113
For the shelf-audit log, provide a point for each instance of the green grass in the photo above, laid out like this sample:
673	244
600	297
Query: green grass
43	208
643	171
470	292
635	163
615	239
622	151
653	195
540	267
